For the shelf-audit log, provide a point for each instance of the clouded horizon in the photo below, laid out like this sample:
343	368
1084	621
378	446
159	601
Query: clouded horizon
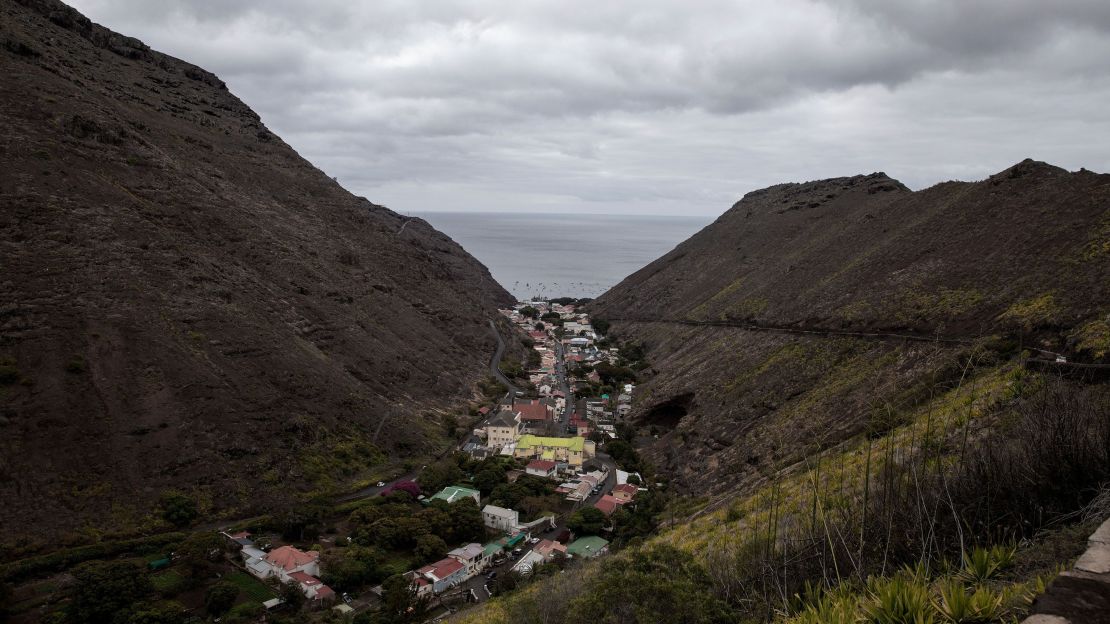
648	107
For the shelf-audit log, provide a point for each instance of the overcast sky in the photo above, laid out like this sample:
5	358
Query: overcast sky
644	106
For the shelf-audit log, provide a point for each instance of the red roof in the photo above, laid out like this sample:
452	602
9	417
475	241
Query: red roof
532	411
304	579
538	334
324	592
240	535
608	504
626	488
541	464
289	558
442	568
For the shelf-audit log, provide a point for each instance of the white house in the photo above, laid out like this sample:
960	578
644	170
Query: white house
500	518
472	556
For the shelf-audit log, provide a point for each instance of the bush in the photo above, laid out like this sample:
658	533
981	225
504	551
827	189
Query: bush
219	598
178	509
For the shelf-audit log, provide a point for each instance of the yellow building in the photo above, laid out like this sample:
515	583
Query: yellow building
574	450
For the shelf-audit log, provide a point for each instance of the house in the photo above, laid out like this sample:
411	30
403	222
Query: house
549	548
472	556
573	450
454	493
543	552
589	546
541	468
443	574
534	414
500	518
625	492
289	565
286	560
503	428
608	504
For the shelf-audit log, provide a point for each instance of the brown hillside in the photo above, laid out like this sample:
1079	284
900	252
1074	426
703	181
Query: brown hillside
187	303
1019	260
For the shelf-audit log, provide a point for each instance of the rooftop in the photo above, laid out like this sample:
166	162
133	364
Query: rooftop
289	558
504	418
453	493
441	569
572	444
541	464
588	546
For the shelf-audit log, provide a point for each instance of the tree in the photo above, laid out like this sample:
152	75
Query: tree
429	548
290	594
488	478
399	603
439	475
601	326
529	312
197	554
587	521
178	508
106	589
219	598
662	584
540	326
467	524
349	568
158	613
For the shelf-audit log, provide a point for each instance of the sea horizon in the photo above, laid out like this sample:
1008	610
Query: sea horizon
564	254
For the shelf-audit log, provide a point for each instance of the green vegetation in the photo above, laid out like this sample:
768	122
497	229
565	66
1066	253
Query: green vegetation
530	312
587	521
178	509
1031	313
334	458
1094	337
219	598
251	587
916	304
105	590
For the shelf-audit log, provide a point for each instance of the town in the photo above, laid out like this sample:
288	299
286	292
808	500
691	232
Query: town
543	474
536	474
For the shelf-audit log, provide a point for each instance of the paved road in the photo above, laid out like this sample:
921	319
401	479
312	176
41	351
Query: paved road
495	361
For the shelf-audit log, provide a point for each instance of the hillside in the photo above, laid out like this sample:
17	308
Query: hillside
186	303
978	270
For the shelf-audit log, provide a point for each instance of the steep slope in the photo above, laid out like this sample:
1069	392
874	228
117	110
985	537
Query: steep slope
187	303
766	329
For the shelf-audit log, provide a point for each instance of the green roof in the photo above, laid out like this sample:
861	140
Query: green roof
491	548
453	493
588	546
574	444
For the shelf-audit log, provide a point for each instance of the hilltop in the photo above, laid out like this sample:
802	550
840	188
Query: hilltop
188	304
780	328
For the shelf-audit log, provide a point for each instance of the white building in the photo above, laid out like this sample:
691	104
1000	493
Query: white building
500	518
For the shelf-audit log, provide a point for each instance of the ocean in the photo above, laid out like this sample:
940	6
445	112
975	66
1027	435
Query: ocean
563	255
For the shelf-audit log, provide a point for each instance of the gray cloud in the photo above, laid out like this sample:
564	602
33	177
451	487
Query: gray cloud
648	105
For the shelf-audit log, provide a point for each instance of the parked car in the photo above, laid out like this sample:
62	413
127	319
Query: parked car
381	483
492	575
534	540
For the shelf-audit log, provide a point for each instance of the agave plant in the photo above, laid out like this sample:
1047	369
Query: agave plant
956	605
898	600
983	564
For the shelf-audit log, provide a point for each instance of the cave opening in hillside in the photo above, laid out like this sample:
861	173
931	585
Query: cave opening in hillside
670	412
